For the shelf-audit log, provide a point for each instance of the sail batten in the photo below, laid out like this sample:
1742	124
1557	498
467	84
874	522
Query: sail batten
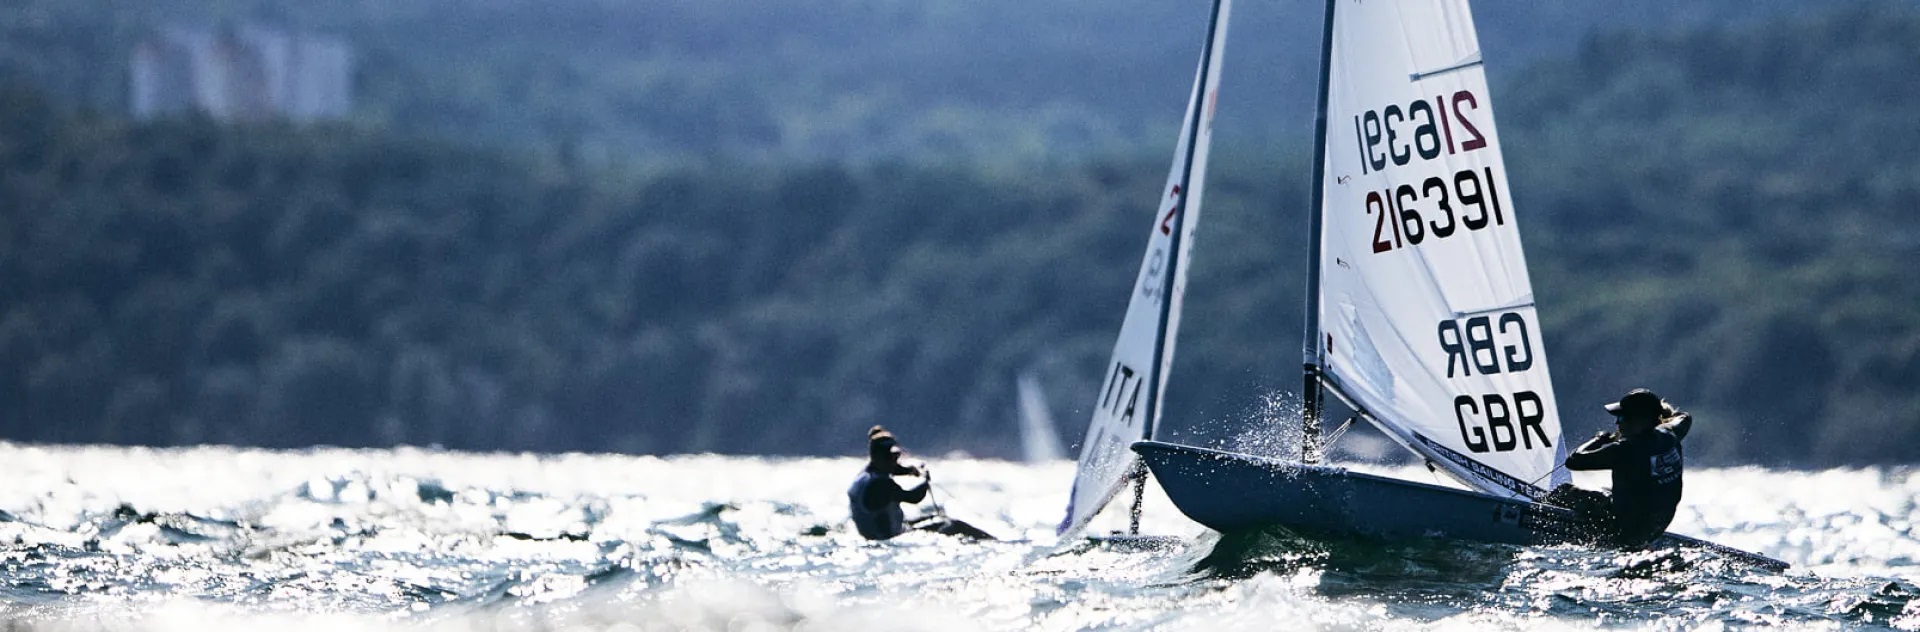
1526	302
1471	60
1423	313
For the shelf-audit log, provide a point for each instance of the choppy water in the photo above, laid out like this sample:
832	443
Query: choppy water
219	538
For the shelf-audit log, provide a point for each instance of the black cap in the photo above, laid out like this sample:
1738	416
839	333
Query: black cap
1638	402
881	443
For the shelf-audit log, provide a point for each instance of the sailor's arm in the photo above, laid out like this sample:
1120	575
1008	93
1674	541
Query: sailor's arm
917	494
1679	424
1595	454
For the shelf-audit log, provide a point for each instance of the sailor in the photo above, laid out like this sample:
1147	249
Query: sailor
874	498
1646	459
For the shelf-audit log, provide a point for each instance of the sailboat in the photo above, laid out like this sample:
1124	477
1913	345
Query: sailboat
1420	313
1130	396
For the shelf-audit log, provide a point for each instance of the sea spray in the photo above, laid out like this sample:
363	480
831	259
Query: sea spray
99	538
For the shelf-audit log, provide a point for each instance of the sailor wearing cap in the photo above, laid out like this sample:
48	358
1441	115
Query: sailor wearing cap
874	499
1646	459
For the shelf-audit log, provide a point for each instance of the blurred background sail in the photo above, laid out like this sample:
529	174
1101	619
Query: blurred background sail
1039	438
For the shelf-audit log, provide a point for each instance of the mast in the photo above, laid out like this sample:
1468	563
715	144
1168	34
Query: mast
1198	106
1174	256
1310	339
1179	224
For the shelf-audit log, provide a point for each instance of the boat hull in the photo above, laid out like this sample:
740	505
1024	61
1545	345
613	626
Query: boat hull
1231	492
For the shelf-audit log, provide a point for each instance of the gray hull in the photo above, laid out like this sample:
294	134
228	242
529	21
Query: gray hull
1231	492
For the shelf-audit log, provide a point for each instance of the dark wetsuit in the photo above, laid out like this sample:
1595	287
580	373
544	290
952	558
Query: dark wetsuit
1646	478
874	500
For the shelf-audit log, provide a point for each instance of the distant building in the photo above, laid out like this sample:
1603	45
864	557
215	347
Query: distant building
241	73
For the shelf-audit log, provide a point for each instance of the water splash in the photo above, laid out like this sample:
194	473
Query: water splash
1270	426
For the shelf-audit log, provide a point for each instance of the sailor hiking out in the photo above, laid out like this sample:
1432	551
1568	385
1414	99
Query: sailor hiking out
1646	459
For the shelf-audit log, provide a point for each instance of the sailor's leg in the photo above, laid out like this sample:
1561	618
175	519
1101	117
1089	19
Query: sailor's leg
949	526
956	527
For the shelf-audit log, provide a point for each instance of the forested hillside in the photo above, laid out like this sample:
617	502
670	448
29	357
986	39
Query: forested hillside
780	80
1720	214
1728	214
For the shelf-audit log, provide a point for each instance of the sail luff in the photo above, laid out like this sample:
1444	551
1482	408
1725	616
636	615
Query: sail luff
1310	404
1199	129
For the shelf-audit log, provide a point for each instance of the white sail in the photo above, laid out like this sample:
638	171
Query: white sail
1426	313
1039	442
1129	399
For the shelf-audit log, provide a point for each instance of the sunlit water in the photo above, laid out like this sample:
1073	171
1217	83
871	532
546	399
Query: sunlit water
220	538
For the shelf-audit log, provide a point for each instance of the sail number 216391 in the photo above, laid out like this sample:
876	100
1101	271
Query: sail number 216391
1470	200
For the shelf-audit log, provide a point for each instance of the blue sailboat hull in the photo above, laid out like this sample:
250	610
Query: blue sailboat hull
1231	492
